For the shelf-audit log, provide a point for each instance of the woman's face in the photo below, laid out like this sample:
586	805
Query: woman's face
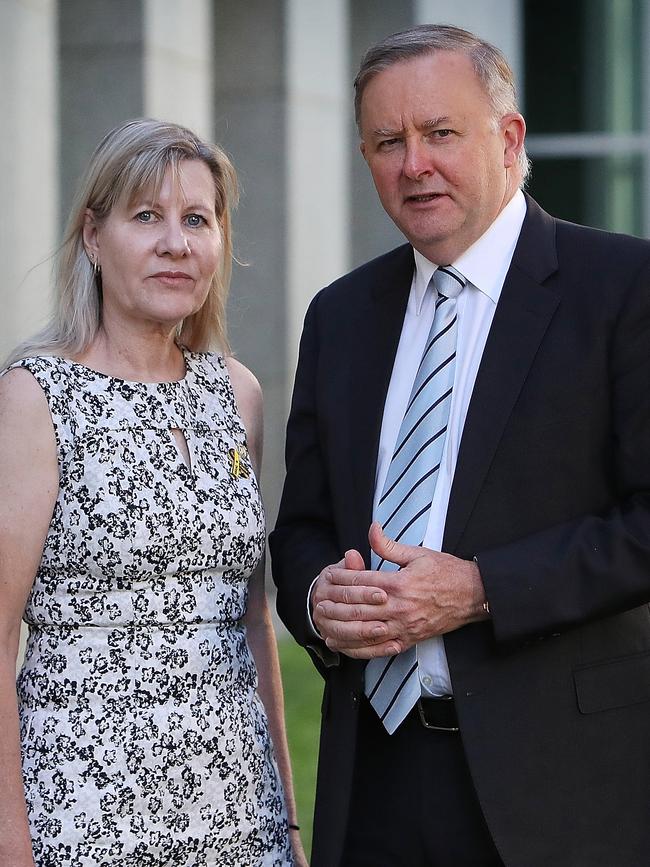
158	258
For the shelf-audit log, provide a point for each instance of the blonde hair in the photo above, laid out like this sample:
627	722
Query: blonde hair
129	159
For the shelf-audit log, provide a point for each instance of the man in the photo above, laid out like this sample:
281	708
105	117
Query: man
484	394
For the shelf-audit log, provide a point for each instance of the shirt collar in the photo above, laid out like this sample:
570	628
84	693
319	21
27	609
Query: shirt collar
485	264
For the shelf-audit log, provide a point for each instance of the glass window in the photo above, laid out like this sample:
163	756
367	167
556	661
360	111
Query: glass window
583	65
585	84
598	191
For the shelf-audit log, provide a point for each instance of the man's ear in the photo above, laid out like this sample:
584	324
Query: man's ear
90	236
362	148
513	128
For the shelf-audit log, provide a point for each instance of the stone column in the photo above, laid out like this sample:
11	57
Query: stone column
498	21
178	69
28	154
249	50
318	153
101	62
371	231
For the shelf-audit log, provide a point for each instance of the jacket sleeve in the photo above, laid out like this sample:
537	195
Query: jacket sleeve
304	539
597	564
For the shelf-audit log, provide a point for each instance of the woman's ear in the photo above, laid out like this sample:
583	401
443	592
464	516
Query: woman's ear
90	236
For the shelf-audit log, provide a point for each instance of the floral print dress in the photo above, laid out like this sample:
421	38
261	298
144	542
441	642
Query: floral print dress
144	742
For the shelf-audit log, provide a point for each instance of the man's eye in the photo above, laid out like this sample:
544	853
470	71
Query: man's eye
388	143
144	216
442	133
195	220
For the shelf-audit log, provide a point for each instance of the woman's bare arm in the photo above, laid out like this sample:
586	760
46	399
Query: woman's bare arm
29	484
259	627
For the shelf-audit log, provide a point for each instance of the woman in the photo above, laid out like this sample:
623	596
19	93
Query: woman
131	541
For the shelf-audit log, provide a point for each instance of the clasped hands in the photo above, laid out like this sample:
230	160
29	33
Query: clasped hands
364	613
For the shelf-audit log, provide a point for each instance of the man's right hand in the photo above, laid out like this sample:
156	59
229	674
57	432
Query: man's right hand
366	605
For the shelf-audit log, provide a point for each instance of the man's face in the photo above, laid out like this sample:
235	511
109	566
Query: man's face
442	166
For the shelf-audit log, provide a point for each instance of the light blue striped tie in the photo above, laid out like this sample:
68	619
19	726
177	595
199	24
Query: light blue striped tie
392	683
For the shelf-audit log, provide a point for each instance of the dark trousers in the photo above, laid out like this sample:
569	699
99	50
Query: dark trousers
413	802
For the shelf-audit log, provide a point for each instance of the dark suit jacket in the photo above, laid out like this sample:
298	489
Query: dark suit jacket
551	493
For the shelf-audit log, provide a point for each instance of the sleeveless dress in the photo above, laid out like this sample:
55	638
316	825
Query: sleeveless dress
144	742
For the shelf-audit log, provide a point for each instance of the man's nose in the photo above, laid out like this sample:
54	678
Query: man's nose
417	159
172	240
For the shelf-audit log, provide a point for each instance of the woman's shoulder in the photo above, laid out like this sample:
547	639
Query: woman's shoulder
41	367
243	380
51	373
22	396
216	365
248	397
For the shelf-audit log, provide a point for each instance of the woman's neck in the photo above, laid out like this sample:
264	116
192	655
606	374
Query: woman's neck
153	357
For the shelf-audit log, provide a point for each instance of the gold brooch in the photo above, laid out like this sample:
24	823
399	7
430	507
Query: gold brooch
238	468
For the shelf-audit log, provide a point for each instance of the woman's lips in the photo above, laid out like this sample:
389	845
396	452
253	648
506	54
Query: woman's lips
171	276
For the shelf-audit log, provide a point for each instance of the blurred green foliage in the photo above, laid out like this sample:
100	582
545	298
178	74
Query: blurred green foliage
303	688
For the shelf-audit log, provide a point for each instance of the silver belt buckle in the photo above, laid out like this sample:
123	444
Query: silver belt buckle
436	728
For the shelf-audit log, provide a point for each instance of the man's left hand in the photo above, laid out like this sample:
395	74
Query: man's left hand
432	593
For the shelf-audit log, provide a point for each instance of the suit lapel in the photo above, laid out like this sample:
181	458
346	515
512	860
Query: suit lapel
523	314
375	333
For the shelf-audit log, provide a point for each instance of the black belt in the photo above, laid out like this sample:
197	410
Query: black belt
438	714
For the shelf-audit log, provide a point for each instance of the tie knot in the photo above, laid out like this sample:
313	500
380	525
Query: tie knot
448	281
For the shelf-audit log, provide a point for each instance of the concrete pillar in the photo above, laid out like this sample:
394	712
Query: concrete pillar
498	21
372	232
178	55
28	154
318	153
249	50
101	62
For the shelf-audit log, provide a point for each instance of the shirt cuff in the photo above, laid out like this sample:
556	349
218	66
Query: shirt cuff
312	626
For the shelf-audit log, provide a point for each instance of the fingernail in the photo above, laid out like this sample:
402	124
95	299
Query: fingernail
377	597
378	630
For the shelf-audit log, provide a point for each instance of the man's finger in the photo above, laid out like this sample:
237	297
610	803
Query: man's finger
346	611
368	578
352	595
354	560
389	549
354	633
371	651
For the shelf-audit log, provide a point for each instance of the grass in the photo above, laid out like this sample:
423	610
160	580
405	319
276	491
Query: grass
303	688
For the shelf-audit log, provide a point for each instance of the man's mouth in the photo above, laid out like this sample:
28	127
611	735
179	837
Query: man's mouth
424	197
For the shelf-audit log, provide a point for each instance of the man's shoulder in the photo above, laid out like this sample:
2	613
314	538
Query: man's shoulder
570	234
580	255
382	272
601	237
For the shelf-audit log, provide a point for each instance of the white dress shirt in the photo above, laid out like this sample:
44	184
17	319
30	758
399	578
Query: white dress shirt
484	265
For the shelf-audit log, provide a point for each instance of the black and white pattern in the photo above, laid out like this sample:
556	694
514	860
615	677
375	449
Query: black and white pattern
144	742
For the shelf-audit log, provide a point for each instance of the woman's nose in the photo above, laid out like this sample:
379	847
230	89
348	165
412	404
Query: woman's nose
173	240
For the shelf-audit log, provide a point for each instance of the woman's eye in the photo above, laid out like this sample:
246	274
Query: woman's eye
144	216
195	220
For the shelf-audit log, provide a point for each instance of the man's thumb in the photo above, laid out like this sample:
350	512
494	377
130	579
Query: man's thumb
387	548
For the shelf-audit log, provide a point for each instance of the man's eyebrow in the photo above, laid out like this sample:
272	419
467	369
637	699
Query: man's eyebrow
386	132
436	121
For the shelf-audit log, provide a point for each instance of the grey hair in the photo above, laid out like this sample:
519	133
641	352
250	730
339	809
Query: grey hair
129	159
489	63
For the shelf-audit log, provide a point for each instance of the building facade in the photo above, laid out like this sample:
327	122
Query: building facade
271	81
